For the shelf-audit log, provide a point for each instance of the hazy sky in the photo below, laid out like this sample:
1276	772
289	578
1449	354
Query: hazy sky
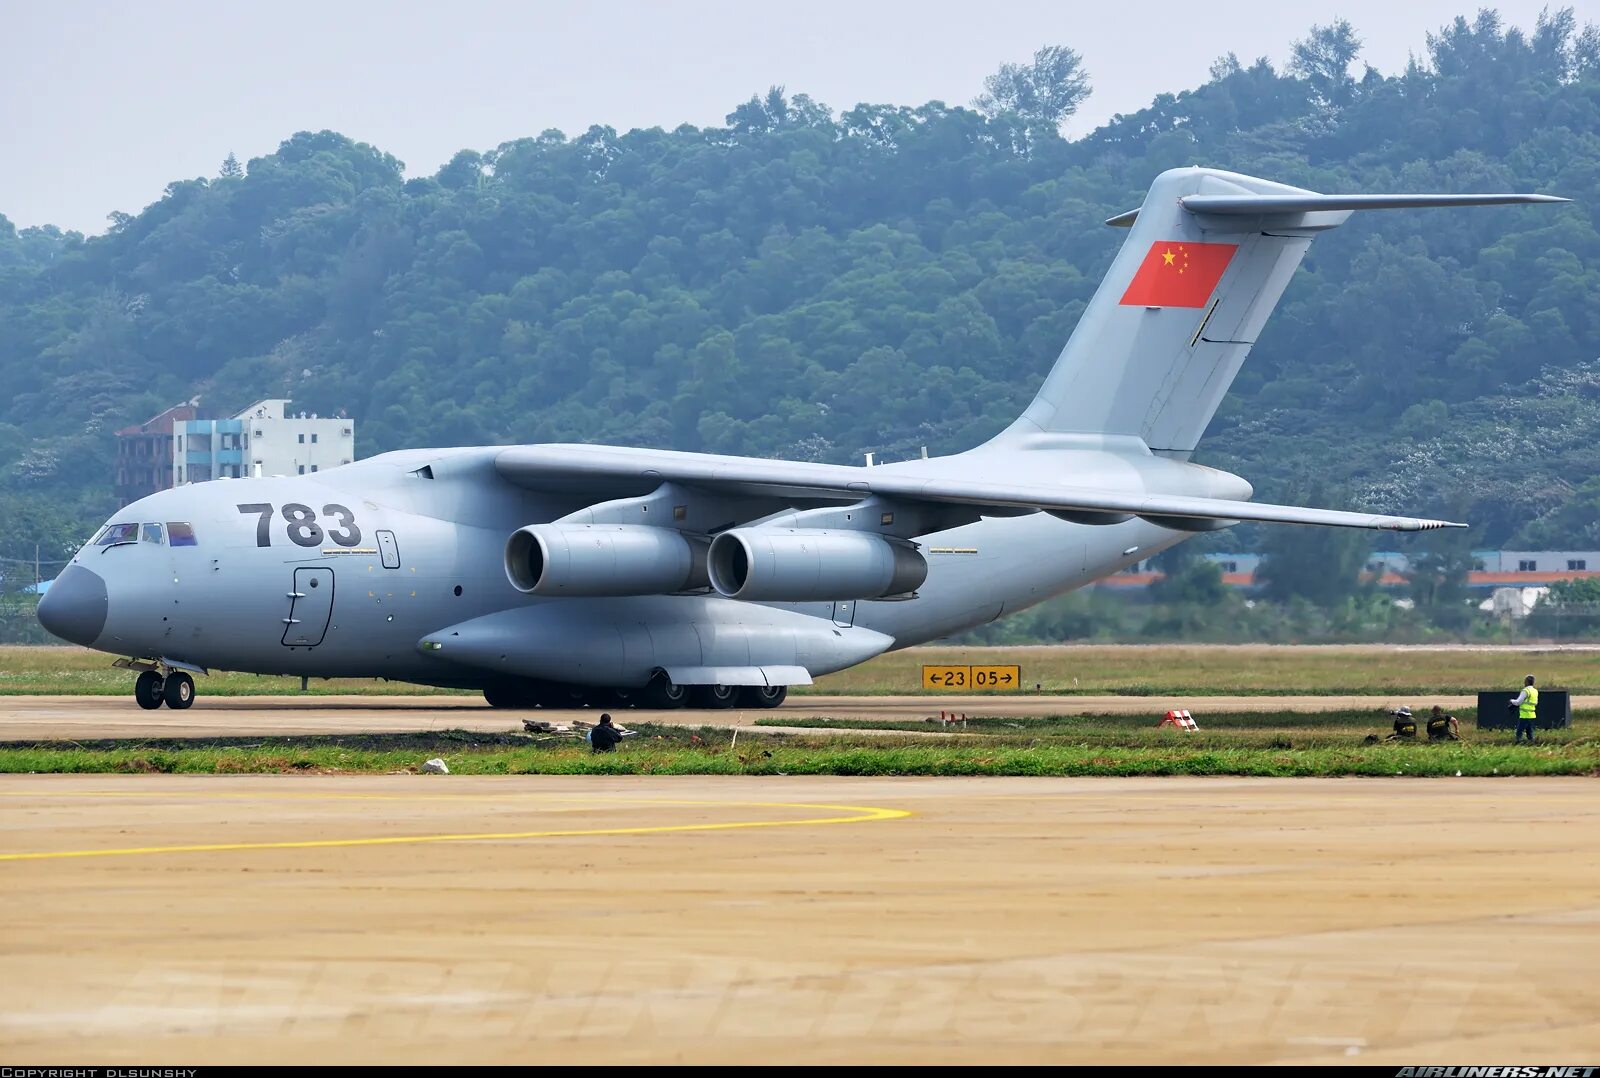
102	104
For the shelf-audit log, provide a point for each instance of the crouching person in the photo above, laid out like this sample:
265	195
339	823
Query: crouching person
605	737
1442	727
1405	727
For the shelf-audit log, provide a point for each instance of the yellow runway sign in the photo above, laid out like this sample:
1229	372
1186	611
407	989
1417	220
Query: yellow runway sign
959	678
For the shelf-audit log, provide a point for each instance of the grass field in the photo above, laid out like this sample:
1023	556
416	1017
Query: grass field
69	671
1155	670
1237	670
1305	728
1327	745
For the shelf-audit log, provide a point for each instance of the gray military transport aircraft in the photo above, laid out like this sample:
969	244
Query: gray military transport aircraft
559	575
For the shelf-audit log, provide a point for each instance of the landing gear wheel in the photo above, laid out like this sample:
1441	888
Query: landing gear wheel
623	697
762	695
714	697
506	697
178	690
147	690
569	696
663	695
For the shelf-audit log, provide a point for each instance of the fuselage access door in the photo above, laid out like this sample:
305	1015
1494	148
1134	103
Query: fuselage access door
310	607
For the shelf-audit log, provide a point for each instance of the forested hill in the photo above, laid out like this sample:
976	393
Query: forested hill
812	283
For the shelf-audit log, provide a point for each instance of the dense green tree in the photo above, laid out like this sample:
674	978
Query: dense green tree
1322	565
1585	592
1047	91
1323	58
1436	579
1196	580
1574	524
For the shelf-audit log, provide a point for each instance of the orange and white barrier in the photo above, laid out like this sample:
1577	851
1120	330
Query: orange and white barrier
1181	719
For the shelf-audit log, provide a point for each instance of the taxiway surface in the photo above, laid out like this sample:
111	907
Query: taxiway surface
402	919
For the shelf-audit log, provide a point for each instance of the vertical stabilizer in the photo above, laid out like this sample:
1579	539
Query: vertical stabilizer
1208	256
1184	300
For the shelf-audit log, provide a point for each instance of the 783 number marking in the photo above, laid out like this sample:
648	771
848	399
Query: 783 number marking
302	524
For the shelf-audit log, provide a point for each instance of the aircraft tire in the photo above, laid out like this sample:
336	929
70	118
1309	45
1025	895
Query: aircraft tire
569	696
662	695
713	697
762	695
502	696
178	690
147	690
623	697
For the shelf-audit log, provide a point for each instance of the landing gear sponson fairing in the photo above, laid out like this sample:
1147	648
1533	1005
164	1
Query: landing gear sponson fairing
561	574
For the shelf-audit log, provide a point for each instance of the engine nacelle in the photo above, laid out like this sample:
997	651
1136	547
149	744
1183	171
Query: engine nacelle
603	559
800	565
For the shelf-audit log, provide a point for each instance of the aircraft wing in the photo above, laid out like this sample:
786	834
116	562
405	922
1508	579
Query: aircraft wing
619	471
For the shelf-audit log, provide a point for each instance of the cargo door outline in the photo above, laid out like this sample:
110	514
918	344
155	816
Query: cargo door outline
310	608
388	549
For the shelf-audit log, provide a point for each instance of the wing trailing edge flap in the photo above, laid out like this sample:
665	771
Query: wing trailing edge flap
799	483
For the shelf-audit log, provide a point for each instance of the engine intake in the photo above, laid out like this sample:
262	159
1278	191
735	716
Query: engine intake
800	565
603	559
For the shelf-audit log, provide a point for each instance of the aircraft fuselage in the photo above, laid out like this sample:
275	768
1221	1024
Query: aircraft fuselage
345	573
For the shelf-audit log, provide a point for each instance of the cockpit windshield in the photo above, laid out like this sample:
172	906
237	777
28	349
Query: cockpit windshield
117	534
152	533
181	534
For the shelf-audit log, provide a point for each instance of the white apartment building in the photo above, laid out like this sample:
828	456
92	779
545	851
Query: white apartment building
264	439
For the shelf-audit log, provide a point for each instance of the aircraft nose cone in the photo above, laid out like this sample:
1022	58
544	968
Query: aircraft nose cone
75	606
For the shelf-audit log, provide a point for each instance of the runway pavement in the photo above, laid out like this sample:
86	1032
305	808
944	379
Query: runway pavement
86	717
172	920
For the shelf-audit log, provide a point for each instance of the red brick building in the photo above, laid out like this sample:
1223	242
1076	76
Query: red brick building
144	454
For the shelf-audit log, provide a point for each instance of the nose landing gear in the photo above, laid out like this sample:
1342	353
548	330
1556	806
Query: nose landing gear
159	684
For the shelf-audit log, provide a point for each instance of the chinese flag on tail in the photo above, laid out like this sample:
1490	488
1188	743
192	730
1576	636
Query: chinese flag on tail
1177	274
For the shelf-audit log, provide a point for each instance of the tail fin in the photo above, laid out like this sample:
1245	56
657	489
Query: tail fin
1208	256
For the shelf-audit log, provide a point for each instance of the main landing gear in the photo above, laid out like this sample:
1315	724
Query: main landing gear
659	695
163	685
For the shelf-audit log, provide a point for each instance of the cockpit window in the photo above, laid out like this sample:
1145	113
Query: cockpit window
117	534
180	534
152	533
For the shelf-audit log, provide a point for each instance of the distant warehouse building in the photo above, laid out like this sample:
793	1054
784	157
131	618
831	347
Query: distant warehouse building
1388	569
264	439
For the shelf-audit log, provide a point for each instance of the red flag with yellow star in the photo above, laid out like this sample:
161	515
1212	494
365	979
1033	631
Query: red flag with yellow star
1177	274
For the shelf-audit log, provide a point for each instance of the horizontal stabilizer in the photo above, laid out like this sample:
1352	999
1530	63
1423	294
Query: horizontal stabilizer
1250	204
1246	205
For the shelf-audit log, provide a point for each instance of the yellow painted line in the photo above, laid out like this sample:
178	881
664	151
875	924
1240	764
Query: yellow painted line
859	814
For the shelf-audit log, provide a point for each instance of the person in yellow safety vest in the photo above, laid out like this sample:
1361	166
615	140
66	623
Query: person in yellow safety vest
1527	706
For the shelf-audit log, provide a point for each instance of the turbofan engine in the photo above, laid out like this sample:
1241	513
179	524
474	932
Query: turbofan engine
603	559
806	565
